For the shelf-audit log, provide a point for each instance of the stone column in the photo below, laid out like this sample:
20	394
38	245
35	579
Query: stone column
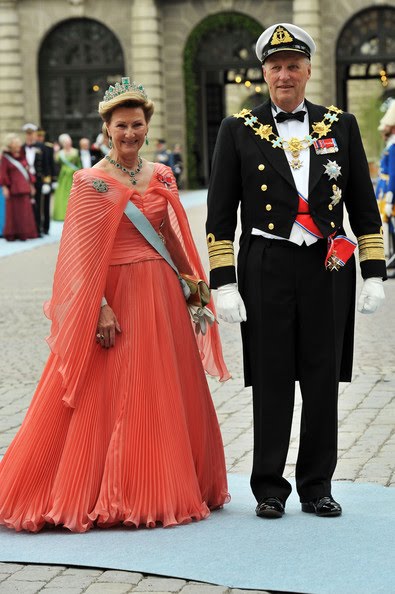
146	62
11	81
307	16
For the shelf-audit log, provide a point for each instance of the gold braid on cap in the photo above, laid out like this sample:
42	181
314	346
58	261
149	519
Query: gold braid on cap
122	87
371	247
221	253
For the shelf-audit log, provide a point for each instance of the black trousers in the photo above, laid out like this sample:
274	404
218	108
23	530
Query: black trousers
296	318
37	205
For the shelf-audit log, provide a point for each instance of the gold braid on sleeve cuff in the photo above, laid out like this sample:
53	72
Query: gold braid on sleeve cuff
221	253
371	247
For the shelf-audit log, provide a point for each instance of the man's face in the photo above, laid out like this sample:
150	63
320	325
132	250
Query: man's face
286	74
31	137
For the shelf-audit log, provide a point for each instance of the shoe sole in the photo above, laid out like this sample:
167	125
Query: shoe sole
310	509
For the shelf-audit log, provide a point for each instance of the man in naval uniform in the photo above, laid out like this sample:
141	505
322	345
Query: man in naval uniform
292	173
39	166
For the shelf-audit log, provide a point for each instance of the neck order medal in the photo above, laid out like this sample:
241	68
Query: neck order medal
293	145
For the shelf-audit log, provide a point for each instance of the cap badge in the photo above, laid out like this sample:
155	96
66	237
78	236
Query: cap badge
280	36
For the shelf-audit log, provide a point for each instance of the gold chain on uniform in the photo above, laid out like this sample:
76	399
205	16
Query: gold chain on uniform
293	145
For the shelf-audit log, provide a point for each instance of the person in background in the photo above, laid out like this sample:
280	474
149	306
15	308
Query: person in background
88	156
388	191
122	428
49	184
18	189
40	168
293	166
69	161
100	146
2	208
177	164
162	154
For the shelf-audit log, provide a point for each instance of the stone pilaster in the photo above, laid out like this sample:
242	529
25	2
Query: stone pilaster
146	64
307	16
11	81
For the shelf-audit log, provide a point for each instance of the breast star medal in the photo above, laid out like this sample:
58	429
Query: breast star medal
332	169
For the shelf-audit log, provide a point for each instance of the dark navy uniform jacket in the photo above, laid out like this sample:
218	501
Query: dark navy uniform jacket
248	171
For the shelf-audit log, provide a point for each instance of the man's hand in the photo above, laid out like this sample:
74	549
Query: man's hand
107	327
371	296
230	306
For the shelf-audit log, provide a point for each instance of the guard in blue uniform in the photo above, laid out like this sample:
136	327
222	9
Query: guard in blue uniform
387	171
292	166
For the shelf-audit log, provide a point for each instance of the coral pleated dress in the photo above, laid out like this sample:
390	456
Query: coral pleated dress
127	434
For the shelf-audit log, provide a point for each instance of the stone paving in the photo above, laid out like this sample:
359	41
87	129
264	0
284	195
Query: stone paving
366	424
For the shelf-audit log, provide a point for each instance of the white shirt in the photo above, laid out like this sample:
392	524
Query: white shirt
287	130
86	160
30	152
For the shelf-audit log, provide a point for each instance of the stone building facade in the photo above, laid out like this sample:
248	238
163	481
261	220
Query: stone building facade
57	56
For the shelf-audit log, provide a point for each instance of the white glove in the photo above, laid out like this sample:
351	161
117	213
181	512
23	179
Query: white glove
388	209
54	185
388	204
230	306
371	296
45	188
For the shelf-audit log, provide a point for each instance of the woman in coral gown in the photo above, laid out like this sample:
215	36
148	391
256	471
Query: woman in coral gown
122	428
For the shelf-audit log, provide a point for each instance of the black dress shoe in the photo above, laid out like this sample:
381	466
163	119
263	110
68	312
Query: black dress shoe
270	507
323	507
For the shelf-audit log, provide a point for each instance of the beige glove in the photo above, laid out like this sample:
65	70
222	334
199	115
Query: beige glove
201	316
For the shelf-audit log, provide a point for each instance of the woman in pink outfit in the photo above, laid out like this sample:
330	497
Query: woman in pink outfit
122	428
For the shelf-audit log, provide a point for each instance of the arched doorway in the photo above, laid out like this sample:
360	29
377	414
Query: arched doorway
219	53
365	56
77	61
366	50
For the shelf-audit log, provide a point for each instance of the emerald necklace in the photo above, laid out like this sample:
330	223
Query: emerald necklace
131	172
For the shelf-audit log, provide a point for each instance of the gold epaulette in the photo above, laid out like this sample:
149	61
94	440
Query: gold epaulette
47	179
221	253
371	247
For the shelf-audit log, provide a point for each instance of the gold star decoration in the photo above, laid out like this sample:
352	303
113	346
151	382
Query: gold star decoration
321	129
335	109
264	131
242	113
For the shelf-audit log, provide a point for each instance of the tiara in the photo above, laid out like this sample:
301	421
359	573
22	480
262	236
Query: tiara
123	87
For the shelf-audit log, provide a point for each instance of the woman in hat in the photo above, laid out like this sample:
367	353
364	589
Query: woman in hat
122	428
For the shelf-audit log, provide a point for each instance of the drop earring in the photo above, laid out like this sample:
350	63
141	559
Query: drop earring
146	140
110	143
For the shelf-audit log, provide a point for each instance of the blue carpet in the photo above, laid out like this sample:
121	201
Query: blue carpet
353	554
